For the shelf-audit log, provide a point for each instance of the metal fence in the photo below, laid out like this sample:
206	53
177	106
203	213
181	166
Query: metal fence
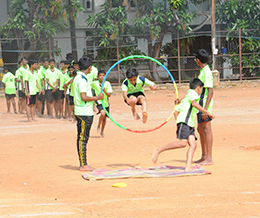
237	57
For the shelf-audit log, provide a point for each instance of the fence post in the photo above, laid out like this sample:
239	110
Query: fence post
213	29
240	54
179	57
1	64
117	53
50	48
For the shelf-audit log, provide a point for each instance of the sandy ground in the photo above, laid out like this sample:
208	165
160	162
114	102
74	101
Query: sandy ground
39	174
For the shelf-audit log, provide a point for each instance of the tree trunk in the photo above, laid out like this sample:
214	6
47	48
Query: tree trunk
73	34
154	51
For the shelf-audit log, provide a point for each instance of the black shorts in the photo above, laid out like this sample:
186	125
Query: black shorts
62	96
199	118
52	96
184	131
100	108
71	100
136	94
10	95
40	97
68	97
31	100
21	94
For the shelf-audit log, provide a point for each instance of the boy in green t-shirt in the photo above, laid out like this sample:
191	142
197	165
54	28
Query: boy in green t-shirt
133	92
107	89
9	87
206	101
83	110
18	80
185	118
31	89
69	93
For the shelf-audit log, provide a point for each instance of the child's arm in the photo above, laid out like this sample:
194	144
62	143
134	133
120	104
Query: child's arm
84	97
196	105
176	113
108	94
26	88
48	82
66	84
210	95
43	84
128	100
37	84
153	87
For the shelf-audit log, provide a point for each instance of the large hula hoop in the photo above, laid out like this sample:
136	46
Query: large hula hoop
160	64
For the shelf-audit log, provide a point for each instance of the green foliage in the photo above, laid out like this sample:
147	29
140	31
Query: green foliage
244	15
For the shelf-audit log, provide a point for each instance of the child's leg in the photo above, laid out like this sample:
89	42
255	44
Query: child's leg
173	145
8	105
40	108
19	105
133	104
202	143
83	128
104	121
142	100
56	108
190	153
13	103
28	112
33	111
50	105
207	138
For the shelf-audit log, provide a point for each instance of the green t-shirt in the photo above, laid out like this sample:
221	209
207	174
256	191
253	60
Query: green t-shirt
96	86
31	78
39	79
138	87
187	113
92	75
43	72
18	76
23	70
63	77
81	85
206	77
9	81
52	75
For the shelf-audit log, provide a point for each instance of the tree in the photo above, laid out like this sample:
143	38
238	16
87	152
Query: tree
32	23
153	21
72	8
246	16
109	24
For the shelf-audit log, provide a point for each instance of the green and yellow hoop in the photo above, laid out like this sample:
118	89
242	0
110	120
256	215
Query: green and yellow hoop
140	57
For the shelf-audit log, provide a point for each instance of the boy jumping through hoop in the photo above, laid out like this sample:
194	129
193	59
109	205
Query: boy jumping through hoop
185	117
133	92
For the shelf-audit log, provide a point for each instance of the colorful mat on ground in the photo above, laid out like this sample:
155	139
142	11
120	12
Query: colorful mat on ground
138	172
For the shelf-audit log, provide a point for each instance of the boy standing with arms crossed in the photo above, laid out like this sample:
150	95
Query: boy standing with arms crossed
83	108
185	118
206	101
31	89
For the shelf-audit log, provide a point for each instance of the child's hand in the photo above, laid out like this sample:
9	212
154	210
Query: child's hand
212	116
129	101
153	87
177	101
28	95
100	96
43	91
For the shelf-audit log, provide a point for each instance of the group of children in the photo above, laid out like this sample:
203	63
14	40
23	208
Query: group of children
76	83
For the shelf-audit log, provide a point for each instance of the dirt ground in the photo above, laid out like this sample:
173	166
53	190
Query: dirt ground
39	174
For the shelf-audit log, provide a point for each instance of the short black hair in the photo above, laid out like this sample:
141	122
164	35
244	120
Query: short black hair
6	68
202	55
101	72
70	67
63	61
132	72
75	62
23	58
19	62
31	62
195	82
52	60
45	59
85	63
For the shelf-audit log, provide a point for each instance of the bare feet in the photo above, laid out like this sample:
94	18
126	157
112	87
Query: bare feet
203	157
155	156
86	168
206	162
145	116
187	169
34	120
98	130
102	134
136	116
29	121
